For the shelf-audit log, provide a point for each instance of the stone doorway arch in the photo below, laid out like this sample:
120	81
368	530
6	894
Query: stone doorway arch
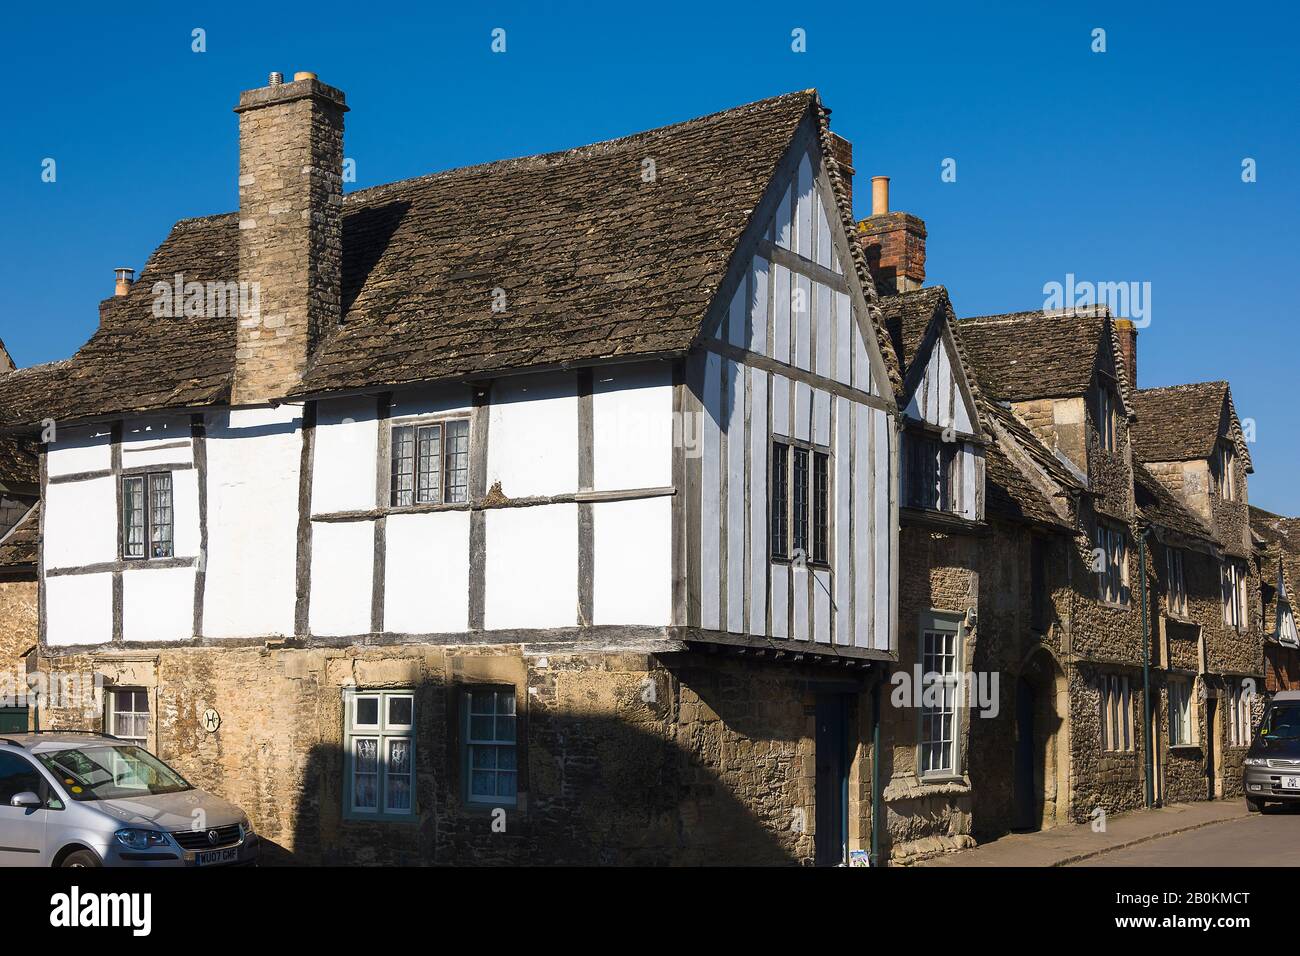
1041	787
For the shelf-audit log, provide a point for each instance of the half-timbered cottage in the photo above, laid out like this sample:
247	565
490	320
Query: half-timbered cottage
541	510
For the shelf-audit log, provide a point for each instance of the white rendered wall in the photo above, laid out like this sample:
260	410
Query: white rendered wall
253	459
347	441
80	523
632	427
532	567
426	573
79	609
76	450
533	435
632	581
342	572
157	604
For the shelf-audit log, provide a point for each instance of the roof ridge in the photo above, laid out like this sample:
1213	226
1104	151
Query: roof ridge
578	152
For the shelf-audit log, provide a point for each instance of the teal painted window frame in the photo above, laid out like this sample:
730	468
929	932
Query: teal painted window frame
468	743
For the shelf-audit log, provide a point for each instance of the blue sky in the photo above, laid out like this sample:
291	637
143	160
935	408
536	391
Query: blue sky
1116	166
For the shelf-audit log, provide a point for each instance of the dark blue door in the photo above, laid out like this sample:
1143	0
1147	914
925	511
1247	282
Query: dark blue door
832	743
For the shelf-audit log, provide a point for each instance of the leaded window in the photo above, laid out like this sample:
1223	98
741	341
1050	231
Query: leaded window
931	473
430	463
780	500
147	516
799	505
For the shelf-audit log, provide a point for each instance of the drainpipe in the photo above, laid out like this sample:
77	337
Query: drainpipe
876	822
1146	672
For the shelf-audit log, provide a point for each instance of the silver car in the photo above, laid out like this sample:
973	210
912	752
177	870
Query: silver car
69	799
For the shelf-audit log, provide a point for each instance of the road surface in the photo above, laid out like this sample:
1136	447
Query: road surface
1270	839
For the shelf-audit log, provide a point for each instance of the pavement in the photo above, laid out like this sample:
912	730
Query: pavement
1065	846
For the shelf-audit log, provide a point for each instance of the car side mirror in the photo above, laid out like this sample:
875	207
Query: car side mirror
25	799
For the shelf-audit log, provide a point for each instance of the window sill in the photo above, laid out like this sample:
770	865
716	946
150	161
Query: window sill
351	816
1185	748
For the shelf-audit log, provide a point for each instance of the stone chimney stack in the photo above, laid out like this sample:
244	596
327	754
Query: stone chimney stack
894	243
1127	334
290	230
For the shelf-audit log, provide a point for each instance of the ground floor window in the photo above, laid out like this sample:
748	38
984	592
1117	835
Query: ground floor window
1116	712
380	750
939	699
128	715
1180	712
490	748
1240	695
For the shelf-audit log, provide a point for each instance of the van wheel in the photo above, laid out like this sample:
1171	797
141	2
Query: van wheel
1254	806
82	858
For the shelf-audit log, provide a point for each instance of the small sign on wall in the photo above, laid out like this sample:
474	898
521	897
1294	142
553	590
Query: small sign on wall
211	720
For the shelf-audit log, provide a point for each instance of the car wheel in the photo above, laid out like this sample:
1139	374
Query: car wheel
1253	805
83	858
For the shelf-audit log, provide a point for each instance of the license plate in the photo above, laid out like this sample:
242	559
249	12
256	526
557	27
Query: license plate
230	854
1291	783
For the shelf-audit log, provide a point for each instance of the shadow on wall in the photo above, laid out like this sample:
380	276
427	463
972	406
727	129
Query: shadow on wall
595	790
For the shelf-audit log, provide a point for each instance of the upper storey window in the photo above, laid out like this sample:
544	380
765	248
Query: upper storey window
430	463
147	519
1224	467
930	481
1107	417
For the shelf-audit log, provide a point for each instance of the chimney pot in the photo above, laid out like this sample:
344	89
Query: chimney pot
893	242
303	75
276	79
123	276
879	195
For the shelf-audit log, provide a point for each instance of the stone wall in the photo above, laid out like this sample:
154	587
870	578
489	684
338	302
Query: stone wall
627	757
19	629
937	572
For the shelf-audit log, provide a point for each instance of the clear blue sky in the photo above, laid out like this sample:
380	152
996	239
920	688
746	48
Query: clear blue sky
1120	166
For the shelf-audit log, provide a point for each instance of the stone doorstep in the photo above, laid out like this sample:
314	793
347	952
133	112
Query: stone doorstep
1063	846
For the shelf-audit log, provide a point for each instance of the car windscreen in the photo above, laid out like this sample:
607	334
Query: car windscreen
110	772
1282	722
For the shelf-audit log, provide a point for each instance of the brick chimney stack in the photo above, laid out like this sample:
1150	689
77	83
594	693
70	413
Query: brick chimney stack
894	243
290	230
1127	334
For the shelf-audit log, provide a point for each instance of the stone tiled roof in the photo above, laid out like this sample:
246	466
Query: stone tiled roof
907	317
18	547
1025	480
1158	505
19	465
1020	356
1183	422
594	263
